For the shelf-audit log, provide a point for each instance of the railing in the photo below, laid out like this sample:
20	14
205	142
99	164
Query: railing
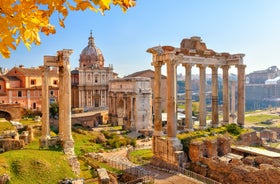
197	176
177	170
143	175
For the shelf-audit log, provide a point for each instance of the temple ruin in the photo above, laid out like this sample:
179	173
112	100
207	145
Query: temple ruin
62	62
193	52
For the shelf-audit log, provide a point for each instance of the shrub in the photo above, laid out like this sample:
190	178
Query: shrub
233	129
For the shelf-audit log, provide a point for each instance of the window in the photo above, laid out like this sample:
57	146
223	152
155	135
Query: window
0	86
33	81
34	105
19	93
51	92
88	76
55	82
96	79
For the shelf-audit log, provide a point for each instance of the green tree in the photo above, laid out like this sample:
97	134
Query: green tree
54	109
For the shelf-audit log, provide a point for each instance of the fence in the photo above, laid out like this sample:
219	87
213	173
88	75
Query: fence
197	176
143	175
181	170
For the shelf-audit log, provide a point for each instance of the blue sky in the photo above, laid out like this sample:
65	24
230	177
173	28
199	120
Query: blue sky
251	27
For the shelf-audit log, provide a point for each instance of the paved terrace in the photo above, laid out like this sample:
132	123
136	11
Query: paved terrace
256	151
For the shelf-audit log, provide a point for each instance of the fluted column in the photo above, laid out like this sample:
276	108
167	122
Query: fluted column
157	98
202	97
215	113
241	94
171	99
45	108
225	95
188	105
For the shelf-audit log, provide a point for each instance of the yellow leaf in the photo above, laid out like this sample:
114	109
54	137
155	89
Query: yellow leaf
61	23
83	5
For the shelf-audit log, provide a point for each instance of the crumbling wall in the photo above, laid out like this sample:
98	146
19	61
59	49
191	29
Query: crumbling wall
11	144
249	139
236	171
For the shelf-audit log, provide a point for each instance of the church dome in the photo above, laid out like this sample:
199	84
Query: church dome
91	55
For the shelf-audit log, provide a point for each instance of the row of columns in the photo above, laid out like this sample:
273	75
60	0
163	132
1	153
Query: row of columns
172	94
87	98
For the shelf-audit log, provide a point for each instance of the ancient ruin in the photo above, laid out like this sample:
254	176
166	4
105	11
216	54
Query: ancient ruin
130	102
63	63
193	52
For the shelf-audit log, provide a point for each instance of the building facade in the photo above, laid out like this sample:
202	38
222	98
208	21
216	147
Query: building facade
150	74
263	89
24	86
130	103
90	82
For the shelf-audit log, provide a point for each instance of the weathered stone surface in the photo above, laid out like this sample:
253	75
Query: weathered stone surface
211	148
237	172
11	144
103	176
223	145
5	178
196	151
249	139
249	161
74	163
265	160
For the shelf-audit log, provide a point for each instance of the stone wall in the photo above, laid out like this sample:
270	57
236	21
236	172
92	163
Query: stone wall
209	148
266	170
249	139
167	152
11	144
268	135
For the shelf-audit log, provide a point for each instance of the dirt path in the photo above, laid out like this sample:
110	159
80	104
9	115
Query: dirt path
161	177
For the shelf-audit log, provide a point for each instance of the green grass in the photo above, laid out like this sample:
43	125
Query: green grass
141	156
5	125
29	121
260	118
85	141
35	166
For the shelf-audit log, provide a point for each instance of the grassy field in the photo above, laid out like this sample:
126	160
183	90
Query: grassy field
35	166
141	156
259	118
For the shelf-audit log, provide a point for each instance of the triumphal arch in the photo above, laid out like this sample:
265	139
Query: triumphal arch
192	53
62	62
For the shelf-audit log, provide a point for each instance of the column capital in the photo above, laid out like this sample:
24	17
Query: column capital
157	63
225	67
201	66
187	65
171	62
214	67
240	66
63	57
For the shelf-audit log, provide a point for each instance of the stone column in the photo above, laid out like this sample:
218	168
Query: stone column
188	105
45	108
132	113
171	99
241	94
157	98
232	110
225	94
202	97
61	103
215	110
65	104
